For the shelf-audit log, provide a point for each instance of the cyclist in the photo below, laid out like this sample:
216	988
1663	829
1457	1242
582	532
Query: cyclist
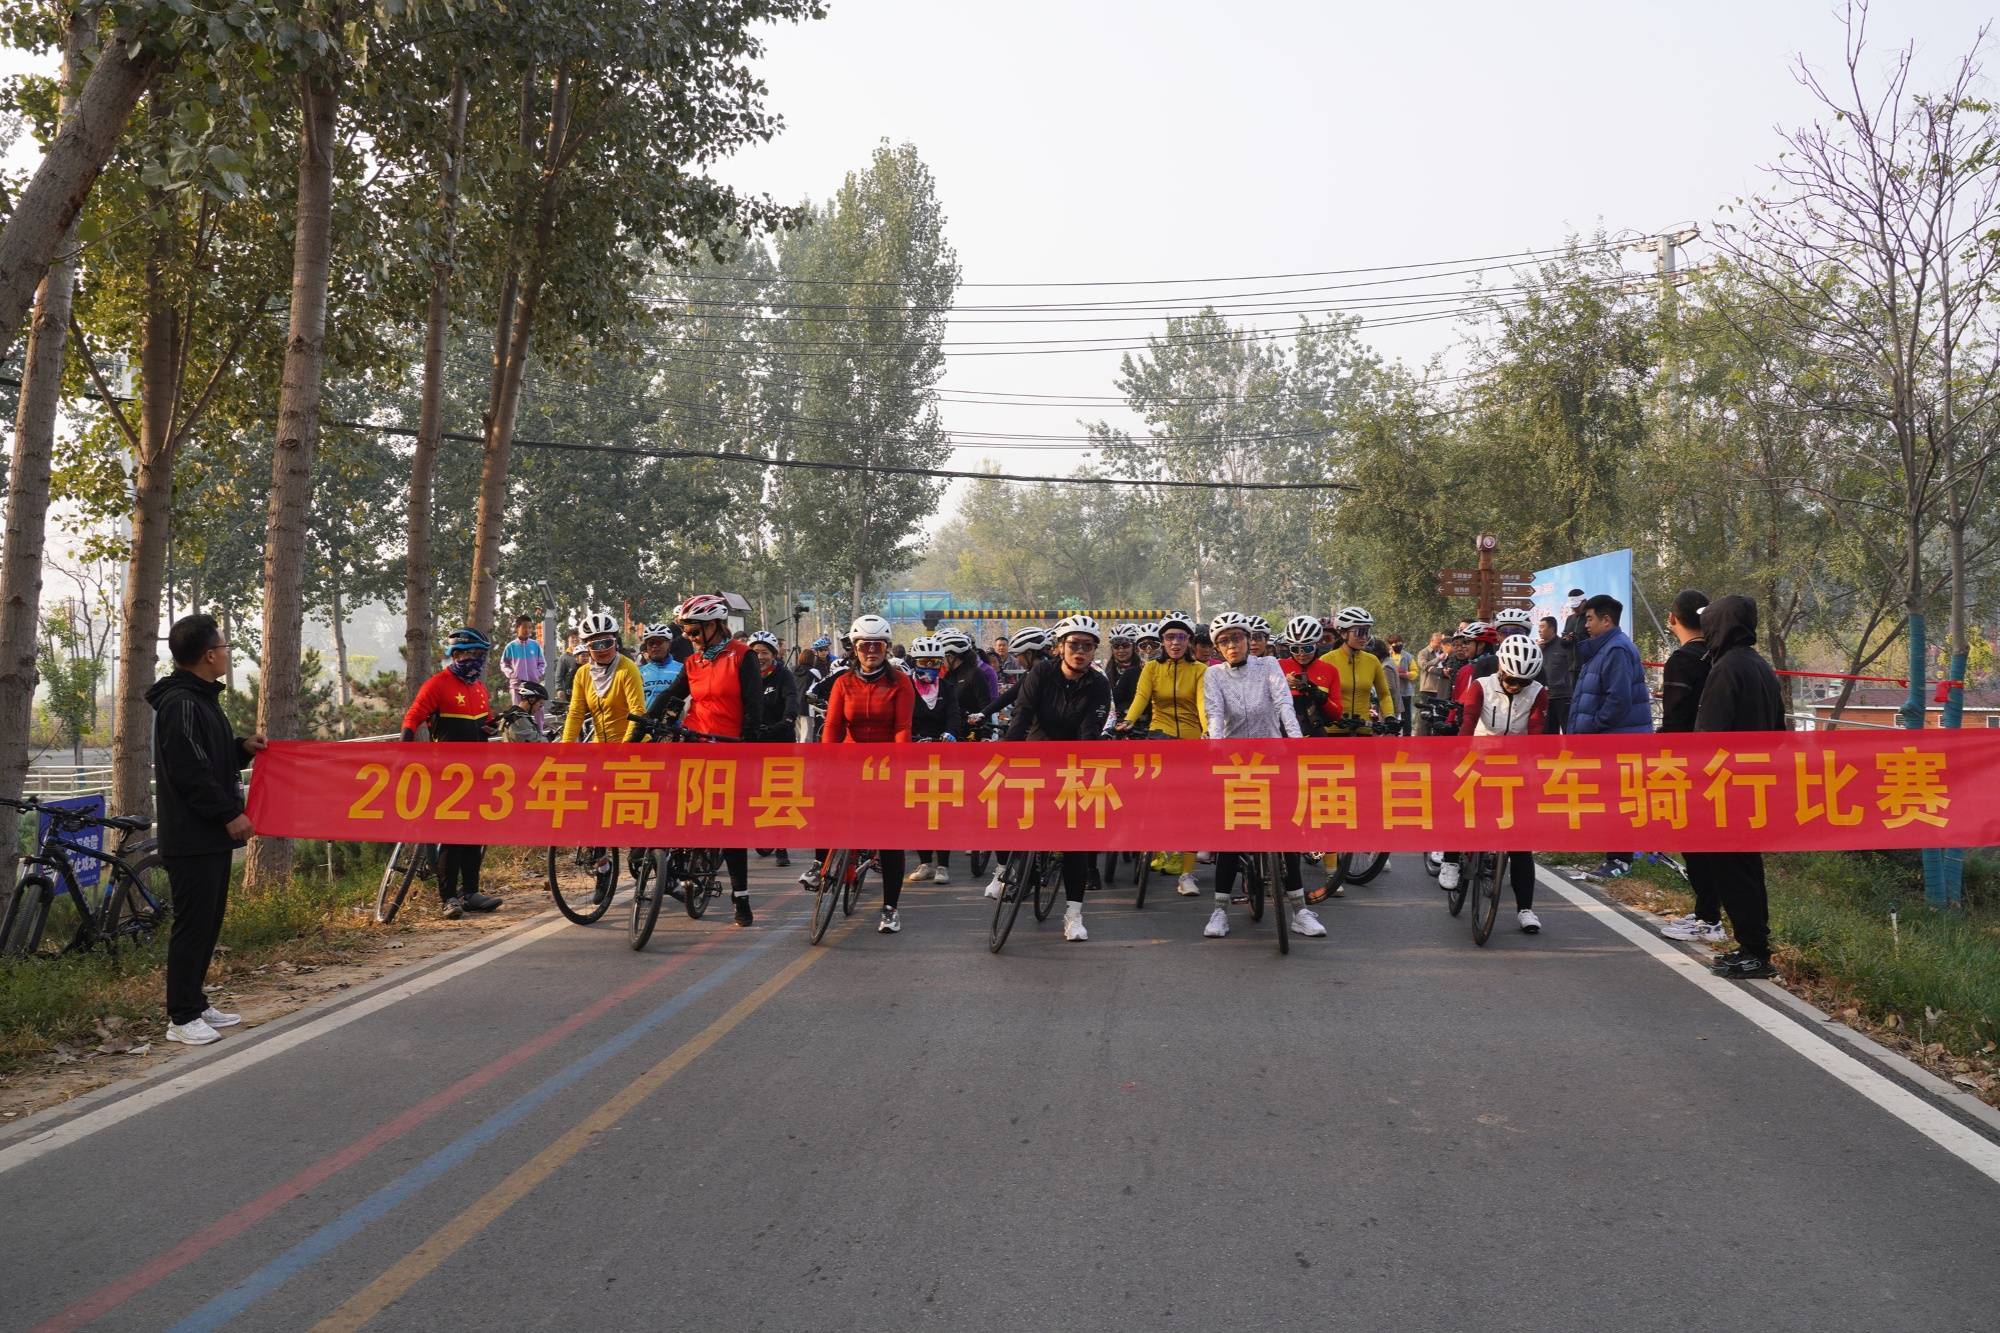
1029	648
1509	702
872	701
1149	641
1066	700
608	692
1170	690
1244	697
1122	670
657	667
1481	656
453	704
716	694
970	677
1314	706
1364	687
1260	636
937	717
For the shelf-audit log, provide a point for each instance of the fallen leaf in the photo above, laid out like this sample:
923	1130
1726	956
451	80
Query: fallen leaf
1965	1082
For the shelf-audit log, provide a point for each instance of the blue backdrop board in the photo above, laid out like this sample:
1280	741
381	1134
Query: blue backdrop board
1594	574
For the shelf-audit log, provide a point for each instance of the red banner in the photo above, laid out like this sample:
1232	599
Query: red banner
1766	791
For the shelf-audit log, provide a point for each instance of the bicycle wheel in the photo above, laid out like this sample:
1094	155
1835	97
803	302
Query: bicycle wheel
826	892
1271	871
1013	888
1145	876
649	885
1484	891
1047	884
978	861
136	906
1253	886
581	902
1364	866
851	885
397	877
21	932
698	868
1454	899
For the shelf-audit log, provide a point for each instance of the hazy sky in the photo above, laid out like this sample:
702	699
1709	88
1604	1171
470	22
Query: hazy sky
1092	140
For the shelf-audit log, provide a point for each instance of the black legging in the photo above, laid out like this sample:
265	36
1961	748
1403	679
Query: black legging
1075	874
1520	869
892	873
458	866
737	859
1227	864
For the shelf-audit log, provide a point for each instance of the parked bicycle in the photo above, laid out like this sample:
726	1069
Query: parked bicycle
134	903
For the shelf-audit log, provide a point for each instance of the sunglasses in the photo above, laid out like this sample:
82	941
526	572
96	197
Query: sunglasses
601	645
1175	637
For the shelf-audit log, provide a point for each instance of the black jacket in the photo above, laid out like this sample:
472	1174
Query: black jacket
945	718
1742	693
1572	634
777	706
1052	707
196	763
967	684
1685	672
1559	667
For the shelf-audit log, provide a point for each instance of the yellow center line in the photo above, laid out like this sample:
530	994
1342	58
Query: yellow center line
419	1263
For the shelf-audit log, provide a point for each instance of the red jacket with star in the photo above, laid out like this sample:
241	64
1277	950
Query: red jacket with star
453	709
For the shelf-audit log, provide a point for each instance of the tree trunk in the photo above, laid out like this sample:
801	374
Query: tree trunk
146	561
270	860
419	627
229	636
343	694
28	483
48	207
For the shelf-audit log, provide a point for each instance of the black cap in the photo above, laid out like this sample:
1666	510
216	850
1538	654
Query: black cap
1576	592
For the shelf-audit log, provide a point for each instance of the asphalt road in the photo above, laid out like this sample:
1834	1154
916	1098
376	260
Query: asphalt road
1390	1128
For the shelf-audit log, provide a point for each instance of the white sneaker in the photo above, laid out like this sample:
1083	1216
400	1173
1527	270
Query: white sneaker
194	1032
1073	922
942	876
1693	928
996	888
1186	887
920	874
1205	858
1218	924
1388	863
215	1018
1530	923
806	876
890	922
1448	875
1305	922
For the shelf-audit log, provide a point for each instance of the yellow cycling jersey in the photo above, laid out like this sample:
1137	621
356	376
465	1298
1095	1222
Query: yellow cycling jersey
613	713
1362	674
1173	691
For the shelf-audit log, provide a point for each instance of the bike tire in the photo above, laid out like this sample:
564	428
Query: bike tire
978	861
701	866
1145	876
1271	870
397	877
21	933
1364	866
138	905
581	905
850	889
1454	899
1253	888
1484	891
826	893
1013	888
1047	885
649	886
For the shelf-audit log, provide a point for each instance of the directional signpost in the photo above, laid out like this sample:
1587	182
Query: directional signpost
1491	588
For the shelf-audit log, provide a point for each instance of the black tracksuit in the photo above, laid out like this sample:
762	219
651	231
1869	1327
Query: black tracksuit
1741	694
1052	707
196	760
1682	677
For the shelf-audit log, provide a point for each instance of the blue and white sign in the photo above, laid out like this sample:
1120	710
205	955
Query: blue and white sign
1594	574
88	871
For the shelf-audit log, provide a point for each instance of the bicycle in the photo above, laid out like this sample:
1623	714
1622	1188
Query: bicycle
1264	878
1362	867
692	870
837	882
134	906
1479	872
1025	875
408	863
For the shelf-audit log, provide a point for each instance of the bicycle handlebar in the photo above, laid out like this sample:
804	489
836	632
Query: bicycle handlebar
77	819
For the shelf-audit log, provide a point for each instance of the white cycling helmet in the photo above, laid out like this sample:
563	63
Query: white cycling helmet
1229	620
1125	632
596	625
1258	625
954	641
870	627
1352	617
925	647
1077	624
702	606
1181	618
660	631
1515	617
1033	639
1520	657
765	637
1150	630
1302	629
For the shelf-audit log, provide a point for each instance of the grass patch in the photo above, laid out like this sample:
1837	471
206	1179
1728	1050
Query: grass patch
47	1003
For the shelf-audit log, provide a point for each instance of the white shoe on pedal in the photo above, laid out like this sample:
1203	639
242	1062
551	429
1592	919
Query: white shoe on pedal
194	1032
1305	922
1218	924
996	888
1530	923
215	1018
1448	875
1073	922
920	874
942	876
1186	887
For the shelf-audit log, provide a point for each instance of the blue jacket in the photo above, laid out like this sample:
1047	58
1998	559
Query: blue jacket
1611	694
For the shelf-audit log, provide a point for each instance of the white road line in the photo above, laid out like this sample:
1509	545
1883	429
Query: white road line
1962	1142
221	1066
